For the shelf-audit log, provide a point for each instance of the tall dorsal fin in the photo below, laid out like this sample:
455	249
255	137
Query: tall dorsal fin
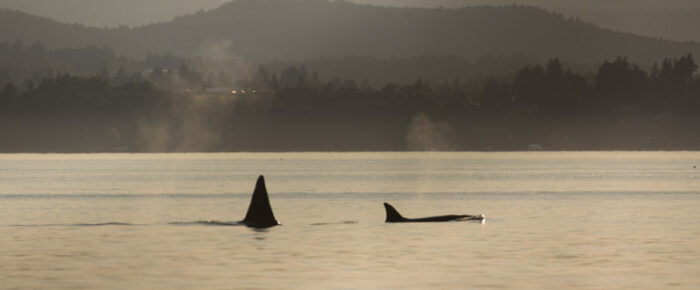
392	215
259	213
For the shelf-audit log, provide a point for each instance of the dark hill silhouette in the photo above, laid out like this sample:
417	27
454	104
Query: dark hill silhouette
293	30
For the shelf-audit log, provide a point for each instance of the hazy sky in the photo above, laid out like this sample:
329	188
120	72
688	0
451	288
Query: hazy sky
672	19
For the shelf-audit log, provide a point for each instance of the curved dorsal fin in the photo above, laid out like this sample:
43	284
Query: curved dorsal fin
259	213
392	215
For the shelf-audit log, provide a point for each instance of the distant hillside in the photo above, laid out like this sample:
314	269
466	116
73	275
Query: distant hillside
293	30
670	19
110	13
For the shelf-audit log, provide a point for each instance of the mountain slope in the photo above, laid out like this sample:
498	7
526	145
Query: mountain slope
293	30
671	19
101	13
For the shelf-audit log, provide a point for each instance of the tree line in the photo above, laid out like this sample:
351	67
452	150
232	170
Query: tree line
618	86
620	106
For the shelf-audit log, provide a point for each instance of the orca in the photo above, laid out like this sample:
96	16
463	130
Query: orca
259	213
393	216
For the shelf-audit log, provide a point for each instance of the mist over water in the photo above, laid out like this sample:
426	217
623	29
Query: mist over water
424	134
554	220
199	129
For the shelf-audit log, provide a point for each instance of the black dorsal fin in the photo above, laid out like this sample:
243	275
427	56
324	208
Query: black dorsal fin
260	212
392	215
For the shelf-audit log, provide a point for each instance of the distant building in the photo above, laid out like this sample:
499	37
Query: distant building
534	147
228	90
219	90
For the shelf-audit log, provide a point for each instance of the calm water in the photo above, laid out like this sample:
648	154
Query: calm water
554	220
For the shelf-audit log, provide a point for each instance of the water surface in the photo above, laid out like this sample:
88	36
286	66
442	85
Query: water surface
554	220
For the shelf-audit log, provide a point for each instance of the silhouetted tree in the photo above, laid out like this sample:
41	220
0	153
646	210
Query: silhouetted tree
530	86
496	95
674	77
121	77
621	83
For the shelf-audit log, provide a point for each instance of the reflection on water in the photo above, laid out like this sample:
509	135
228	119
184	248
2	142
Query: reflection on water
555	220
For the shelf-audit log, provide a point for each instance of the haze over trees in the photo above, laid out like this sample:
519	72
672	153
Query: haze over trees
620	106
407	79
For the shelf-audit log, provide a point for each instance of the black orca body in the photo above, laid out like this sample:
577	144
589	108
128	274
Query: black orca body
393	216
259	213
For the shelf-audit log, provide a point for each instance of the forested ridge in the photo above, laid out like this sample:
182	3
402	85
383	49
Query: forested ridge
291	30
167	103
275	75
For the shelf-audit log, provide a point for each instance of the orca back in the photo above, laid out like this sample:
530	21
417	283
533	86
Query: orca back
259	213
392	215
